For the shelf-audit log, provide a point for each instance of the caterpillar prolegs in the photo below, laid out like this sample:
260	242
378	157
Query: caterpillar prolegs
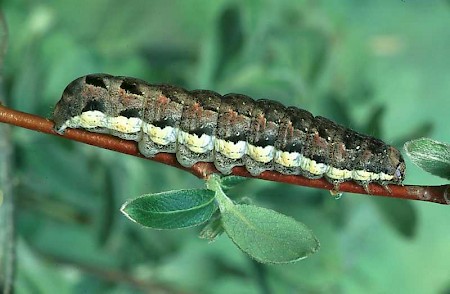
230	130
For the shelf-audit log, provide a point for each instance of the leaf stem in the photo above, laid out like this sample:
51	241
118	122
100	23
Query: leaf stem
436	194
213	183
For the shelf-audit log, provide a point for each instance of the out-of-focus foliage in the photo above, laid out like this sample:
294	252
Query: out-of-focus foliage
377	66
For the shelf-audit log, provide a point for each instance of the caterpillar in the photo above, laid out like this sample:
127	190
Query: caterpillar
230	130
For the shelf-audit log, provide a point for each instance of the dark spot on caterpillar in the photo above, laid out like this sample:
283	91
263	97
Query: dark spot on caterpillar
239	103
272	110
94	105
165	122
352	140
264	142
376	146
319	158
293	147
202	130
95	80
130	87
131	112
301	119
236	137
209	100
325	128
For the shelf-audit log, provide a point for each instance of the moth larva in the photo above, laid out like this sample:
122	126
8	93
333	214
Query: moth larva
230	130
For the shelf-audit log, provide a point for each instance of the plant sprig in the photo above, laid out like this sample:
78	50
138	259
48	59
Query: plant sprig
265	235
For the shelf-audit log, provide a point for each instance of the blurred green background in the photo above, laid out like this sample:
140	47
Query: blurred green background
380	67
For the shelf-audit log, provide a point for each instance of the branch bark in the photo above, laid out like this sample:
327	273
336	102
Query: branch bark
436	194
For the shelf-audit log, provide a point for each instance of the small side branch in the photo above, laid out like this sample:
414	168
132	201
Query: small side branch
436	194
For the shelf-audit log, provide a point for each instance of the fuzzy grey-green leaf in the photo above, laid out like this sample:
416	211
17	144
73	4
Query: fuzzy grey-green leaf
171	209
432	156
229	182
268	236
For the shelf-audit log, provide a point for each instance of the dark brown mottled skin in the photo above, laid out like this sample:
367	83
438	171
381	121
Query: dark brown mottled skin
233	117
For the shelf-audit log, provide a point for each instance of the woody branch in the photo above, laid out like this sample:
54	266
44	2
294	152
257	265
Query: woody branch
436	194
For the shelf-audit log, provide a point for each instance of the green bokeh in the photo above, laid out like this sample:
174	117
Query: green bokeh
380	67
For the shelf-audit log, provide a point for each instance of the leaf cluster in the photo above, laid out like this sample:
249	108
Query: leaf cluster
265	235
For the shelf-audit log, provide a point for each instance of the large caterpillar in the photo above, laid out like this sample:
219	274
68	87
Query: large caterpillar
231	130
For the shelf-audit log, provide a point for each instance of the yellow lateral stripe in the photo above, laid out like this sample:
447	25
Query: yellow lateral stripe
198	145
206	143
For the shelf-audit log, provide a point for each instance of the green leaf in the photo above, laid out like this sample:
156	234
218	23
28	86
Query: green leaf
268	236
172	209
430	155
229	182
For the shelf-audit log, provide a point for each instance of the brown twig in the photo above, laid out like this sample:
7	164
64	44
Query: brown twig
437	194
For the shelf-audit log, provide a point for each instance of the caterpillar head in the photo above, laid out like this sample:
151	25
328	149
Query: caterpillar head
91	101
84	94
